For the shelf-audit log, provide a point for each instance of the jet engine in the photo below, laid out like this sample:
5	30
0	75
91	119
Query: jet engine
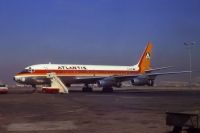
142	81
109	82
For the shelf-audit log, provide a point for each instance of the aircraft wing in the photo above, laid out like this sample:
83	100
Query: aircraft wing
91	80
167	73
94	79
150	75
88	80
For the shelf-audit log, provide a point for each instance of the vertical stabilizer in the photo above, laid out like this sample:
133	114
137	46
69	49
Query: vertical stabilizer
145	60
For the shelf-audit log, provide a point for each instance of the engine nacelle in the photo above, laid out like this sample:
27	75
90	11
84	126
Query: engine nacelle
103	83
142	82
139	81
109	82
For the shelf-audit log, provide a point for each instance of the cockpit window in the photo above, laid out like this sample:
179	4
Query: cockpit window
25	71
29	70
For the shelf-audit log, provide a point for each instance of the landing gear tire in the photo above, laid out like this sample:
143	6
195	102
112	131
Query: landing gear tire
151	83
107	89
87	89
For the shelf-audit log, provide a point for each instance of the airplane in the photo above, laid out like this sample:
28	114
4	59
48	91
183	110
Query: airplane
61	76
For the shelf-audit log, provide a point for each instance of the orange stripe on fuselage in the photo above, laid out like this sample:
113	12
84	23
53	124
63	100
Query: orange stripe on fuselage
79	72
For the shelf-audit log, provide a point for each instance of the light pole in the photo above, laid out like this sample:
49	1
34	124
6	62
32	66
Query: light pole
189	46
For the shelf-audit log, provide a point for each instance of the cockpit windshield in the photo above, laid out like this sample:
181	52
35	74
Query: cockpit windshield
29	70
25	71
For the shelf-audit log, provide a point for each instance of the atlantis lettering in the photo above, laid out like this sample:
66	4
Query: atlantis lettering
72	67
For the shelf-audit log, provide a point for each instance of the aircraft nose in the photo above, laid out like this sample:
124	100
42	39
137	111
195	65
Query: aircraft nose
15	78
19	79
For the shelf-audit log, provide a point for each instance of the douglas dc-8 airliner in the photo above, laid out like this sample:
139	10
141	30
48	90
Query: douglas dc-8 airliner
61	76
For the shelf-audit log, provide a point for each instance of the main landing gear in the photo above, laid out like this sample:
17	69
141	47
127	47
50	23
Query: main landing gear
107	89
87	88
150	83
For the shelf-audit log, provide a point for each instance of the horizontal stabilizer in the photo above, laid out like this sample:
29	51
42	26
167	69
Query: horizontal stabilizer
157	69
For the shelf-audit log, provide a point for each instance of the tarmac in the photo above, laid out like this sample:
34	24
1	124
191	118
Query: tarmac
129	110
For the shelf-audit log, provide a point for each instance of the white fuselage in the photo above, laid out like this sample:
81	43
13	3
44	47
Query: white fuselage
71	73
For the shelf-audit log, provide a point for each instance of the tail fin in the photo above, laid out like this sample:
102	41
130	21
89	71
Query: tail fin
144	63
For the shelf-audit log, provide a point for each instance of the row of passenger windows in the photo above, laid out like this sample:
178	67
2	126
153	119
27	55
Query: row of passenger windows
90	72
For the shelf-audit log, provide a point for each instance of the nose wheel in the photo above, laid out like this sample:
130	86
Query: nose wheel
34	89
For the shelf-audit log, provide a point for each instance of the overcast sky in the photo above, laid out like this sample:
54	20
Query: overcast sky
112	32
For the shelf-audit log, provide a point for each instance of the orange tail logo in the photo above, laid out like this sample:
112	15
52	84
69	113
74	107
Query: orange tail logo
145	60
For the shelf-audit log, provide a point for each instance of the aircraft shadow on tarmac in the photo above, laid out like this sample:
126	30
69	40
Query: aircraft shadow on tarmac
130	92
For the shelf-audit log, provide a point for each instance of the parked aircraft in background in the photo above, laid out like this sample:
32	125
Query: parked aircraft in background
61	76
